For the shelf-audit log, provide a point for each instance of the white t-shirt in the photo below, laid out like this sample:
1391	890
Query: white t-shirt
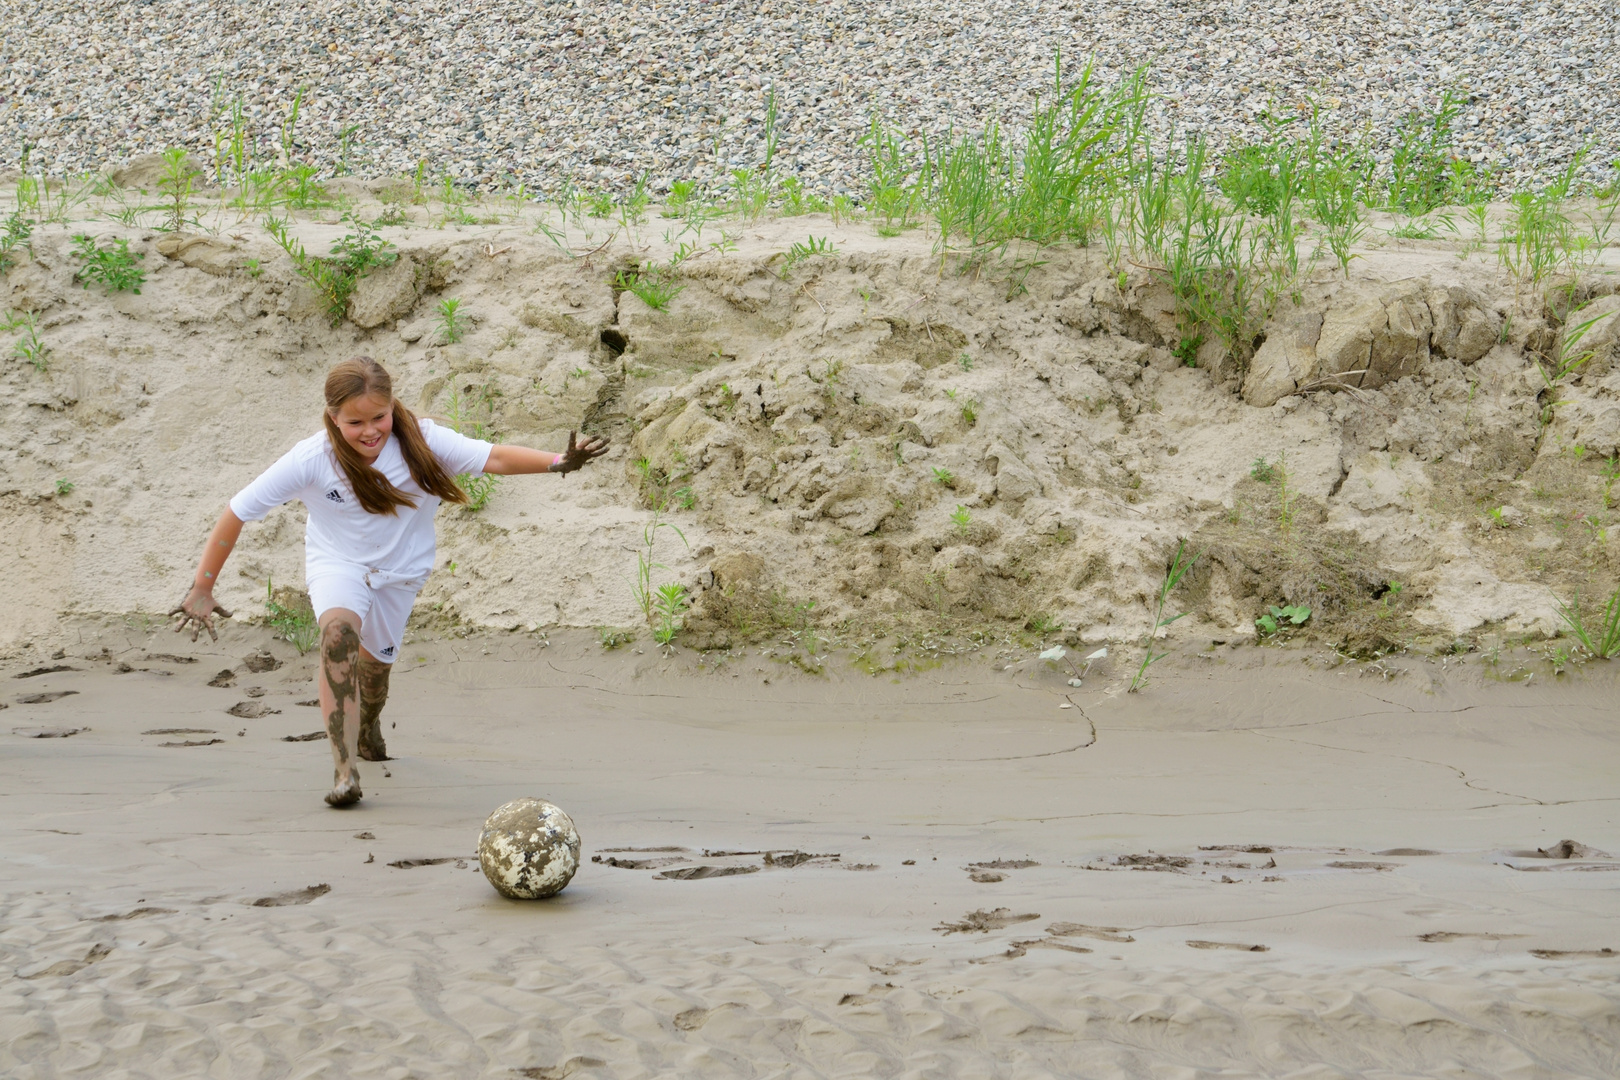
341	536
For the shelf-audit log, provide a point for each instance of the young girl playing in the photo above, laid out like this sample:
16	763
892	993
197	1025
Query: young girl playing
371	482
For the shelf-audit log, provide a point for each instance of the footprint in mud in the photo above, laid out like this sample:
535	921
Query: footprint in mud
862	866
560	1072
407	864
1440	936
697	873
260	662
791	859
251	710
986	873
875	994
1239	849
982	922
692	1019
1021	948
312	703
170	658
226	677
667	847
136	913
1407	851
308	737
68	967
1233	945
1565	849
44	698
1167	864
293	898
46	732
1575	954
43	671
1101	933
638	864
180	731
193	742
1355	864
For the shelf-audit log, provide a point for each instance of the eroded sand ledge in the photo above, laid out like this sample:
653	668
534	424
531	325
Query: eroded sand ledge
1272	866
814	416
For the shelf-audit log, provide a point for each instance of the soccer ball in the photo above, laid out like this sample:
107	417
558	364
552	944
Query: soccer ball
529	849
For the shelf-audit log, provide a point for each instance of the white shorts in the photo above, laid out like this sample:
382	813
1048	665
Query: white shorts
383	607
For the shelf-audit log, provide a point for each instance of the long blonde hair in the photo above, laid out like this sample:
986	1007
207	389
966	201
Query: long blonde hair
360	377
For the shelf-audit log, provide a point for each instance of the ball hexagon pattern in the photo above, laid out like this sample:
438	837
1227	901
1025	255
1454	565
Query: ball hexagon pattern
529	849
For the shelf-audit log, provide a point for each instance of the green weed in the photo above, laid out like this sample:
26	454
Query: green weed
115	267
1278	618
944	477
29	347
64	487
1605	643
14	235
669	608
175	184
452	325
353	255
656	286
961	519
812	247
1172	577
473	416
296	626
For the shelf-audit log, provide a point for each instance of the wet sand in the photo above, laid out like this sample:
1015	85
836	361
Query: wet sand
1257	868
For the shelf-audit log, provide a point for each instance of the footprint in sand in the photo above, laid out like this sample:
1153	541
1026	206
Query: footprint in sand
137	913
638	864
43	671
1233	945
251	710
294	898
1408	851
982	922
697	873
46	732
227	677
560	1072
45	698
1575	954
1355	864
309	737
180	731
1101	933
1439	936
68	967
407	864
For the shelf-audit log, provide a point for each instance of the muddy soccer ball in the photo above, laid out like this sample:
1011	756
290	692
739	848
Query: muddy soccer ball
529	849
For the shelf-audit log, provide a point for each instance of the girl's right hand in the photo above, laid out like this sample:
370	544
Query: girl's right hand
197	611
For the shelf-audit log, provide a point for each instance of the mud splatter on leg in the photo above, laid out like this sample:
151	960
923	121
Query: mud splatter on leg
340	662
373	696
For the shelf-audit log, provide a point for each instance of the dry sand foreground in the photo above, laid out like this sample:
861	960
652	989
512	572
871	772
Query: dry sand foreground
1378	908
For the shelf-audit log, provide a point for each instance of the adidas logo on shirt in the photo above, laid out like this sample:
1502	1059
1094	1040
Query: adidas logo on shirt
334	496
388	651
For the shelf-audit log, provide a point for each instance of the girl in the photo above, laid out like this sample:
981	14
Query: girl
371	482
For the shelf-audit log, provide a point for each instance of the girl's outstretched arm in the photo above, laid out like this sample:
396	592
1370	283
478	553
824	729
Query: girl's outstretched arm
198	609
513	460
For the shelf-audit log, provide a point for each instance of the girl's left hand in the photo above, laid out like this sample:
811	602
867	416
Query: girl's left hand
578	455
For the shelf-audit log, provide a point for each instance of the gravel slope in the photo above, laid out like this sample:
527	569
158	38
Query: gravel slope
598	91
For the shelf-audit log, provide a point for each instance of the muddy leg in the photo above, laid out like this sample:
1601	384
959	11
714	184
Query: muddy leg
373	696
340	700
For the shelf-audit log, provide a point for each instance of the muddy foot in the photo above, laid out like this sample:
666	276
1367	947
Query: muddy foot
346	793
372	747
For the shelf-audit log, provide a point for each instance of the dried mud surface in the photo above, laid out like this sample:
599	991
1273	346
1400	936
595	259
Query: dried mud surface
1259	867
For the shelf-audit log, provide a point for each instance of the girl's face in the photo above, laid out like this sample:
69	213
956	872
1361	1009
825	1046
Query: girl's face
365	423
